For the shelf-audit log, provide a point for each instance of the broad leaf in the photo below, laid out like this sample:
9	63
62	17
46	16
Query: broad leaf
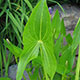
66	61
37	37
26	58
48	59
37	62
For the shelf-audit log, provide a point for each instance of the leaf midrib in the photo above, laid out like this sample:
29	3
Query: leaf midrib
41	23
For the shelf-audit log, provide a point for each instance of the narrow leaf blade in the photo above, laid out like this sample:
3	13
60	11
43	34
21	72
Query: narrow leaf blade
15	50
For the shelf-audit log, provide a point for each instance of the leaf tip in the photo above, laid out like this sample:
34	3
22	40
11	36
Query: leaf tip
8	41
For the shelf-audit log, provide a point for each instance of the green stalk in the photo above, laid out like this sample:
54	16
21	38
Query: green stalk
9	4
7	64
78	66
4	59
1	63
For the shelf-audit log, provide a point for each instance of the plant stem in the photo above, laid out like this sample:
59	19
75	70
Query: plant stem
78	66
1	64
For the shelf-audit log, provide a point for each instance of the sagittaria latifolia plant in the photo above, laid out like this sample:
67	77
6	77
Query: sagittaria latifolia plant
44	56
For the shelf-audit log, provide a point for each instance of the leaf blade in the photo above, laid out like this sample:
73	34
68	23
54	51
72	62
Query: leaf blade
15	50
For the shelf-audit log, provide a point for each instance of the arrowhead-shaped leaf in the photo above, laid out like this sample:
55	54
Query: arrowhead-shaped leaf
37	37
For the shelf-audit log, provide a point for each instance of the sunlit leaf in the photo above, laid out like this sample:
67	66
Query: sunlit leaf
35	39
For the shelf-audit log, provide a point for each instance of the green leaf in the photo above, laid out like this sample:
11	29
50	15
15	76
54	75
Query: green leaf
58	46
35	75
76	36
37	62
15	50
78	66
5	78
17	33
66	61
63	29
56	24
69	39
0	2
57	77
1	63
48	59
37	37
15	22
0	60
9	4
29	4
4	9
26	58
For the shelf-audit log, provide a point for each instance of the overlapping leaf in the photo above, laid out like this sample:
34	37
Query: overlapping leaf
37	36
66	61
56	24
76	35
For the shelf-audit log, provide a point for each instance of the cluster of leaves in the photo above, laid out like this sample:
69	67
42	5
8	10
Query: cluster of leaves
13	16
43	51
